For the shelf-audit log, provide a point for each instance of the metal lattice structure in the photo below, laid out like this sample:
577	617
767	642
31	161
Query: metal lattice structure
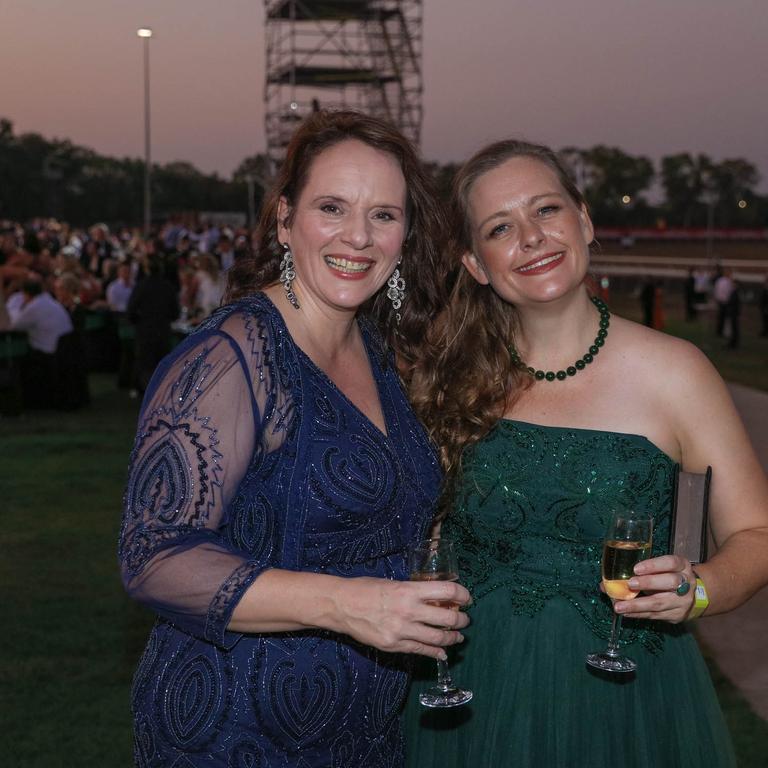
362	54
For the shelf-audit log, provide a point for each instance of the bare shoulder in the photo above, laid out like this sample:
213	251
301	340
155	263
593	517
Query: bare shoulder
664	359
686	392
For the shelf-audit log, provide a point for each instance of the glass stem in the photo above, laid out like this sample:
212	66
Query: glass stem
444	681
613	643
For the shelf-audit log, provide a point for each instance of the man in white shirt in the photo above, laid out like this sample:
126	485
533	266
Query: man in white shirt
45	321
119	290
722	293
225	253
13	304
701	283
42	317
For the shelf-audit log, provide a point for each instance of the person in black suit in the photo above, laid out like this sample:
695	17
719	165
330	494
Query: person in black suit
153	306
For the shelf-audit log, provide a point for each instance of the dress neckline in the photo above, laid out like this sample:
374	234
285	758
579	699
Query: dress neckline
634	435
372	362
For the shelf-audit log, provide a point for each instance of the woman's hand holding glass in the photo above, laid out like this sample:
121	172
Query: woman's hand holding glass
434	561
663	596
627	541
401	616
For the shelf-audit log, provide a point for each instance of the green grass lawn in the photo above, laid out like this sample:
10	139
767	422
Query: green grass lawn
746	365
72	638
70	647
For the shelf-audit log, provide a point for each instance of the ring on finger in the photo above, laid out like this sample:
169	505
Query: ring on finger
683	587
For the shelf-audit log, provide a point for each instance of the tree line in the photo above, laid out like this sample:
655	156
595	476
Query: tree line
54	177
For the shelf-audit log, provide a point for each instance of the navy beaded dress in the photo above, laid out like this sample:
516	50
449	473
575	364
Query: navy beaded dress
247	458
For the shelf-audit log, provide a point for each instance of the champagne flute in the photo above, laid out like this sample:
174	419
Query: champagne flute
627	541
435	560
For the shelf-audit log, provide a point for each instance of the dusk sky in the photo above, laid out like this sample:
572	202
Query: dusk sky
650	76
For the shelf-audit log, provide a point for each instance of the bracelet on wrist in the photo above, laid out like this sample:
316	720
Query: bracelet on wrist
701	599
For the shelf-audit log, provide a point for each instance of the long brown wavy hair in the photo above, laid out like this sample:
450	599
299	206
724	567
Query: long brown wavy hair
421	252
467	378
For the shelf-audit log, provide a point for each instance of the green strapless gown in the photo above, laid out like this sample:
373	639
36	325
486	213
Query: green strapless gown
529	519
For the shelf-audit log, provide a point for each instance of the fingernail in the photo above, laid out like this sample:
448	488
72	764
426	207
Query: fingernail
443	656
461	639
633	584
619	607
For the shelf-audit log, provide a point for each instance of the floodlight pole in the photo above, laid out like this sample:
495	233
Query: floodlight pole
146	34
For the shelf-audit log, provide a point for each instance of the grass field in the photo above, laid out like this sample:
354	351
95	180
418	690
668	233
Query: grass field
746	365
72	638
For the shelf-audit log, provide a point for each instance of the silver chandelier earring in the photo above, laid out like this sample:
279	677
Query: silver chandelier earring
288	275
396	290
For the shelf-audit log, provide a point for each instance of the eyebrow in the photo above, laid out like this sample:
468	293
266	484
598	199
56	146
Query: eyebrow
337	199
530	201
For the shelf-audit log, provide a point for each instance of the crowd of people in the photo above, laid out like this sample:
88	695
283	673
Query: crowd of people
704	288
51	275
714	291
45	265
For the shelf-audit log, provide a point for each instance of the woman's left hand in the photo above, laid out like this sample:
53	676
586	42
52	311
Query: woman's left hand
662	595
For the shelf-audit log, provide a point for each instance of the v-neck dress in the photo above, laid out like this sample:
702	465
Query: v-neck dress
529	517
248	457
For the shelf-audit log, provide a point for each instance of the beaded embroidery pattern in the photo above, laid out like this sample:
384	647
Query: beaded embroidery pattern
288	473
531	514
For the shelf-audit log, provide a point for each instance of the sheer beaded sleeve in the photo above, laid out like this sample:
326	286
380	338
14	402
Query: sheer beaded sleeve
212	410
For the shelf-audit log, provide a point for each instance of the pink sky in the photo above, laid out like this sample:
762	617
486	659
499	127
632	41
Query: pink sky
650	76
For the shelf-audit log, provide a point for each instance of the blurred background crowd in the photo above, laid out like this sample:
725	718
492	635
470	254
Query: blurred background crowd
80	299
93	298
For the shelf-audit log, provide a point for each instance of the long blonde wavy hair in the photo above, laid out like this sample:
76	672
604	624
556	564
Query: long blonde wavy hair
466	378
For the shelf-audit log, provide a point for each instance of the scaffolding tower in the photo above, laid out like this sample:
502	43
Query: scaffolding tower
361	54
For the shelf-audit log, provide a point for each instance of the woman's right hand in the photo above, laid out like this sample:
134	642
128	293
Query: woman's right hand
401	616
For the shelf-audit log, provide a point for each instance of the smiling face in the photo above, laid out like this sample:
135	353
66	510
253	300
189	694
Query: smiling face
347	227
529	237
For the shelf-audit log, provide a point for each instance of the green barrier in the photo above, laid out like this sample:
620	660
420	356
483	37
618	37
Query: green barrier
13	344
126	331
13	347
95	321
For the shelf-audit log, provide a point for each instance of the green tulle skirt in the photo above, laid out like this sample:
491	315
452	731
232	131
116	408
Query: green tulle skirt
536	703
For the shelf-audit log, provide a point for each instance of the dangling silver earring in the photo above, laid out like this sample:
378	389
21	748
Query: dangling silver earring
288	275
396	291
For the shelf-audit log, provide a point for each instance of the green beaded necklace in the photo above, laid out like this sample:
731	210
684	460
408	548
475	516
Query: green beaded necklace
582	362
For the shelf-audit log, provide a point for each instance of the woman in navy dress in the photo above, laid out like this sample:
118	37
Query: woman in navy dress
279	477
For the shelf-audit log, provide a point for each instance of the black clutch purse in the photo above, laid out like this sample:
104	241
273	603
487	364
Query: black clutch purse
689	529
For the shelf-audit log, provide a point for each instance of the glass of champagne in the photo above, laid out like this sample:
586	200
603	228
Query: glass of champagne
627	541
435	560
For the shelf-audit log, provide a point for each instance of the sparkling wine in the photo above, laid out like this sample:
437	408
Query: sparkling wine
619	559
627	541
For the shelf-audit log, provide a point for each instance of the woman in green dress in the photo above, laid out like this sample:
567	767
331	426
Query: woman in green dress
549	413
